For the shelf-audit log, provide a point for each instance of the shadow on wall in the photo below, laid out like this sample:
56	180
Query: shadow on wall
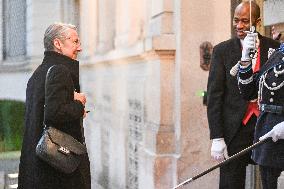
11	125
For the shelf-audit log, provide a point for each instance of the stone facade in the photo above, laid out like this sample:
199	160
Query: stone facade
140	69
145	77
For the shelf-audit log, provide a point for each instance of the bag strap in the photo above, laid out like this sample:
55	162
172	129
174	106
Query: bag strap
44	125
46	77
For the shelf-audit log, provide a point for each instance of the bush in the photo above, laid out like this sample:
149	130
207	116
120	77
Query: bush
11	125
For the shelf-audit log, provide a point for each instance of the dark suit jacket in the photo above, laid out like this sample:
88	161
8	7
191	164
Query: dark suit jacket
225	106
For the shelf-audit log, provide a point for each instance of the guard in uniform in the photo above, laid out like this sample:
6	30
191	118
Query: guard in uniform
268	87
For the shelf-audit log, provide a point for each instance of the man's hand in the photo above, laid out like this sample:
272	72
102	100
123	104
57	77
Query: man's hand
276	133
81	97
249	44
219	149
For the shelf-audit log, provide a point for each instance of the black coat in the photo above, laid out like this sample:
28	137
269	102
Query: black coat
61	112
225	105
271	153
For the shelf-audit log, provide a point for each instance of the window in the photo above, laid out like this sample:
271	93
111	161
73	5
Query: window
14	30
71	12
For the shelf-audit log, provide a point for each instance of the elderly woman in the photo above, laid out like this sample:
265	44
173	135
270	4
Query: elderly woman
54	102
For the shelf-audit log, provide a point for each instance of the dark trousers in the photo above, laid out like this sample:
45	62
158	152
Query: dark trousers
269	177
233	174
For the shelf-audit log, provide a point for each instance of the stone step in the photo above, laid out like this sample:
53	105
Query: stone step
2	179
11	181
8	181
9	167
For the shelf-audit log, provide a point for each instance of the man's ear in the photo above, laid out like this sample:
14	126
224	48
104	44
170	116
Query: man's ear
258	22
57	44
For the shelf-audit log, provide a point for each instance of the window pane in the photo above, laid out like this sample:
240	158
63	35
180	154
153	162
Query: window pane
14	28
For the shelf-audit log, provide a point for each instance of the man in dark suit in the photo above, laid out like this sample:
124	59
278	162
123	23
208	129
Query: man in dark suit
231	118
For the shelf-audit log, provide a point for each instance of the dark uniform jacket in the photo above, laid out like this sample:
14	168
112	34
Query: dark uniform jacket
226	107
267	85
62	112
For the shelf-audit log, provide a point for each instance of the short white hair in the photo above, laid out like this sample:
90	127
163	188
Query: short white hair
57	30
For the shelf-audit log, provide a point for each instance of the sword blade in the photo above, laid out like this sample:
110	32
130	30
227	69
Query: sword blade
231	158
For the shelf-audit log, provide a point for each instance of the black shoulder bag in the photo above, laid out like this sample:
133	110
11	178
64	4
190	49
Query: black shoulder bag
58	149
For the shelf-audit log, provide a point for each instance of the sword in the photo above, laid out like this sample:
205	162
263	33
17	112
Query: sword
231	158
251	27
251	30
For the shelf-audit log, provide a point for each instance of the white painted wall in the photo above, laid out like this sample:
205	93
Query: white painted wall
13	86
273	12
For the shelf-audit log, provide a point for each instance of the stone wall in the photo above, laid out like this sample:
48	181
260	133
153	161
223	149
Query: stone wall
130	142
148	126
140	69
197	27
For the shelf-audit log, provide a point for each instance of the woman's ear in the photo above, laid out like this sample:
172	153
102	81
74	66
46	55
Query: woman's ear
57	44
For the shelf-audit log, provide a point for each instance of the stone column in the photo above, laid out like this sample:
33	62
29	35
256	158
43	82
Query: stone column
38	19
88	27
200	21
106	25
2	180
70	12
1	33
273	12
160	125
131	135
122	25
160	139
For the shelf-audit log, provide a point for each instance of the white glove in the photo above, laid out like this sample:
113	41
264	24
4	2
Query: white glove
219	149
276	133
249	44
